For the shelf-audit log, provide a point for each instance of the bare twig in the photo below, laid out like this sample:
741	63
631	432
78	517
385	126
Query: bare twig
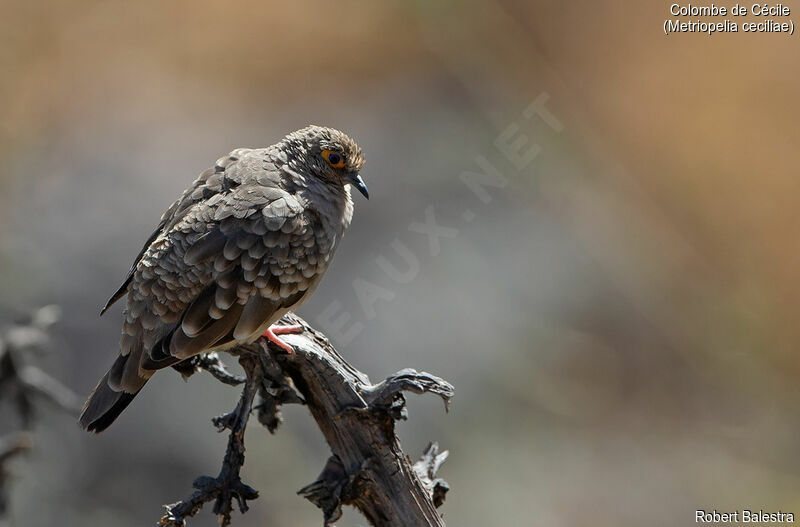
227	486
23	385
426	468
211	363
10	447
367	468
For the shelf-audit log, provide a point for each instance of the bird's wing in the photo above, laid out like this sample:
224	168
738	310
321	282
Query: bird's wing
208	183
263	258
234	262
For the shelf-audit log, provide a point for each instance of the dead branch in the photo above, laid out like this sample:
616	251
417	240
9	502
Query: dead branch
367	468
24	386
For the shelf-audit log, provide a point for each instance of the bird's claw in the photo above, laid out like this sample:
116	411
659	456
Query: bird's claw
272	332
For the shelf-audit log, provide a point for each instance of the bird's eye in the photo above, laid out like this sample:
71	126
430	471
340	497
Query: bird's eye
334	159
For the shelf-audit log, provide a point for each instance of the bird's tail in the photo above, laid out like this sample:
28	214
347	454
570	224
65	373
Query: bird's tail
104	405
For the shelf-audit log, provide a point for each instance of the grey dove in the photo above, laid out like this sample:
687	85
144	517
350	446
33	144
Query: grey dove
247	242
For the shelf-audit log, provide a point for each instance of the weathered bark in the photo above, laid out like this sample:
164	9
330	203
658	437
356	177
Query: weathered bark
367	468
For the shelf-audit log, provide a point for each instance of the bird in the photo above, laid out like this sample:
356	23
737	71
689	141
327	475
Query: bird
247	242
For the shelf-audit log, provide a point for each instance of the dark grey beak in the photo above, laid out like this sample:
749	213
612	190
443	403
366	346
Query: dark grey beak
355	179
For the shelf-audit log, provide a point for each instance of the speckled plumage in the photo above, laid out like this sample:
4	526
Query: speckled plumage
248	241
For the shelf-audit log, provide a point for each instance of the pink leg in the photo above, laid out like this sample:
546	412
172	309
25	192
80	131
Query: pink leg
271	334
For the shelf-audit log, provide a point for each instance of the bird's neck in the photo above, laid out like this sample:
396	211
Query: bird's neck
332	202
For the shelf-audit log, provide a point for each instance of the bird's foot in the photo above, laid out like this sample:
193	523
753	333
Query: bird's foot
271	334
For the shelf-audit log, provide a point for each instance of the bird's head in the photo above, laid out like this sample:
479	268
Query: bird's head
330	155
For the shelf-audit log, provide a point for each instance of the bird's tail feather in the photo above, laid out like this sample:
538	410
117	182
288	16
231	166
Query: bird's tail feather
103	406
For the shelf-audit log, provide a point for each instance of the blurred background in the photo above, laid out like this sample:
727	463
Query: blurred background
618	313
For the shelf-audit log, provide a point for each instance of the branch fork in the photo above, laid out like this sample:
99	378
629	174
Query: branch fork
367	468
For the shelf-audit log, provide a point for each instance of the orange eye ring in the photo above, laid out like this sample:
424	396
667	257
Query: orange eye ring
334	158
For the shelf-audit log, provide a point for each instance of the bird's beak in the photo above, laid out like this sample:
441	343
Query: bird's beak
355	179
